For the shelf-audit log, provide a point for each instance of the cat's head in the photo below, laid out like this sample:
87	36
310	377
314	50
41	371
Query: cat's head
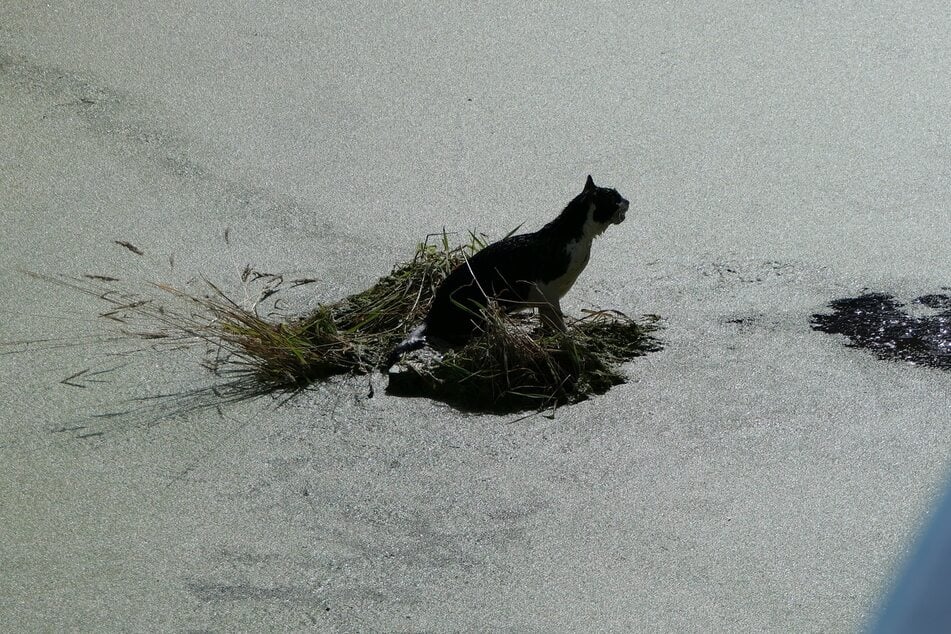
609	206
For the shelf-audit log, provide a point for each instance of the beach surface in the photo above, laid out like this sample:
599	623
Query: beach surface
754	475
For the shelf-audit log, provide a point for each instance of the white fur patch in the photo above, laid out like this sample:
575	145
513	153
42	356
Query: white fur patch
579	252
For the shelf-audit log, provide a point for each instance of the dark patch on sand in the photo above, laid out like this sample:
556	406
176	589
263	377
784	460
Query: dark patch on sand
880	323
211	592
747	272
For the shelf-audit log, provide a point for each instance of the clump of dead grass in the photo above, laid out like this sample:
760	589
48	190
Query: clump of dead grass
511	365
350	336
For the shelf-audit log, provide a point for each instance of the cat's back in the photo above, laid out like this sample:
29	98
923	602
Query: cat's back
510	262
505	270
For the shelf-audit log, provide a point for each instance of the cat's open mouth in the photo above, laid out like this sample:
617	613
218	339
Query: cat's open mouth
620	214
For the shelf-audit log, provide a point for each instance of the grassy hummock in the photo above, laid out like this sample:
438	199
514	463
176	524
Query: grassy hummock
350	336
512	364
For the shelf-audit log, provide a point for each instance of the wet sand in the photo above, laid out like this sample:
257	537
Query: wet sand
754	475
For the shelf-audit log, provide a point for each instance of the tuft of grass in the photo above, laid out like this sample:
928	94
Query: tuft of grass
402	298
511	364
350	336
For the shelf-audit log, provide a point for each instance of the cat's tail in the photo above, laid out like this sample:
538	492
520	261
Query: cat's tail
414	341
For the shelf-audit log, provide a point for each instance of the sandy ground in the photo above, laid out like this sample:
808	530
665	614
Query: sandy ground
753	476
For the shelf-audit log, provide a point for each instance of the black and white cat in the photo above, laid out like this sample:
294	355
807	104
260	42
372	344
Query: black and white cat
522	271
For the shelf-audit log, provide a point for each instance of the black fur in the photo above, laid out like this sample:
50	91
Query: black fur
510	270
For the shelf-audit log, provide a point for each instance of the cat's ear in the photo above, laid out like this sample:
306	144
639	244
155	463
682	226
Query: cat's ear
589	184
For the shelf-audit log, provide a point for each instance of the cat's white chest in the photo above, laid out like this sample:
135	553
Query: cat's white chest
579	251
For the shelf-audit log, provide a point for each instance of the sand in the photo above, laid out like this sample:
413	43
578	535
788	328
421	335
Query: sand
754	475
